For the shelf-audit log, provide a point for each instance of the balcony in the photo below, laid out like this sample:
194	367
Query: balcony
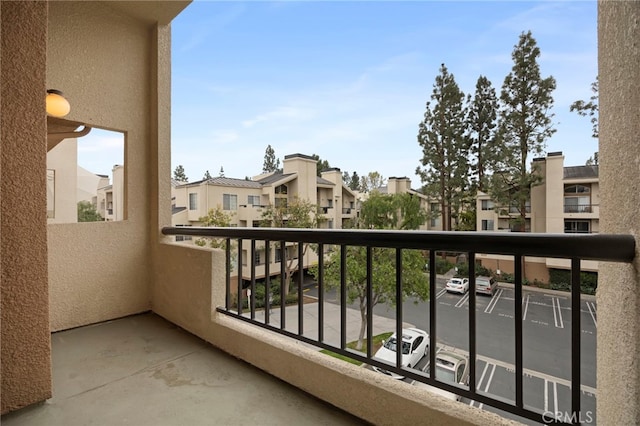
590	210
148	371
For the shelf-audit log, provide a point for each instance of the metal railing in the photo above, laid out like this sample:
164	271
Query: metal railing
580	208
602	247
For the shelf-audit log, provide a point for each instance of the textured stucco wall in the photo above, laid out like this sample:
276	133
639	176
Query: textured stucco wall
26	348
100	58
618	372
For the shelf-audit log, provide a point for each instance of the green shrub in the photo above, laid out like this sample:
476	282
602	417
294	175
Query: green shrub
443	265
560	279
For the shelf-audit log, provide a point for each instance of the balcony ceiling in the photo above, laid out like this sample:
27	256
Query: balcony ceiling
151	11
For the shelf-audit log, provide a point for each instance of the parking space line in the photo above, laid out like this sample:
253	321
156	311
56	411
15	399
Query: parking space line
486	388
557	313
555	397
526	306
441	293
462	300
546	396
486	366
592	311
493	302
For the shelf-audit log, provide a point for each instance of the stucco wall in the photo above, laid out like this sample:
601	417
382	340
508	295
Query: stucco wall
618	298
100	58
26	348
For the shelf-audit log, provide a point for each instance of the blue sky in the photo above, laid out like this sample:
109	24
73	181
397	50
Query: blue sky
349	80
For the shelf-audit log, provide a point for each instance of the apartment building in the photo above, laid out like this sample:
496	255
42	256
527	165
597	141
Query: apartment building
567	201
244	200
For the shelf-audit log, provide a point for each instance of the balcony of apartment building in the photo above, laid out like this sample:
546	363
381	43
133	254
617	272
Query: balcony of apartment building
208	359
251	212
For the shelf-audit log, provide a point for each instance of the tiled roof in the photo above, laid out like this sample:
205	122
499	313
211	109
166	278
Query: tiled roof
581	172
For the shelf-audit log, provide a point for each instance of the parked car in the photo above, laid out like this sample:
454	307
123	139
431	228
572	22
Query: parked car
451	368
415	345
457	285
486	285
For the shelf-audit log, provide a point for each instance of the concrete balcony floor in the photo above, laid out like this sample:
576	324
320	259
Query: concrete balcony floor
144	370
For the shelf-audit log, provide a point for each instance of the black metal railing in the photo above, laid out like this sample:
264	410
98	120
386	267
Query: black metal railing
602	247
580	208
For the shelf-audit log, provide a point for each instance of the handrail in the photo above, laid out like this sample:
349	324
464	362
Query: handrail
604	247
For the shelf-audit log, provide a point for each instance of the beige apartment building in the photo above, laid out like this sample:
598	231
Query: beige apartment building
59	276
567	201
244	201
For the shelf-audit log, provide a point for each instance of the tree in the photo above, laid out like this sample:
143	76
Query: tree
207	175
178	174
441	135
221	174
346	178
391	211
372	182
589	109
526	123
482	120
214	217
87	212
296	213
321	164
380	211
354	184
271	164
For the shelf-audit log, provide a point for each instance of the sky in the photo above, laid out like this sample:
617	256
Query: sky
349	81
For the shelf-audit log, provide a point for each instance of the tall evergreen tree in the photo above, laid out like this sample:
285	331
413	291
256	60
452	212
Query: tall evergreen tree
271	163
221	174
525	125
321	164
179	175
207	175
444	145
355	182
346	178
482	120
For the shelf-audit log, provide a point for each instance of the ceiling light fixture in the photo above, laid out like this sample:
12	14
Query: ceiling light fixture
57	105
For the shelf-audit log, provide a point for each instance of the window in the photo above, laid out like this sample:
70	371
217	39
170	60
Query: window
487	205
487	225
282	189
193	201
256	258
255	224
278	256
229	202
280	202
576	226
417	342
330	224
253	200
577	189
